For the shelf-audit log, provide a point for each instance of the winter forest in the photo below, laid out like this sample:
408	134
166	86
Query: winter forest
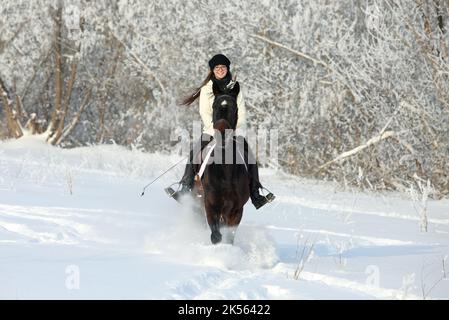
348	105
358	91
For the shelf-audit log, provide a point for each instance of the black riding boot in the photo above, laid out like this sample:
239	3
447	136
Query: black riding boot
257	199
187	180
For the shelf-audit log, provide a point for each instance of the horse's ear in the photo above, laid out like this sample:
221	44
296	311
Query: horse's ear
235	90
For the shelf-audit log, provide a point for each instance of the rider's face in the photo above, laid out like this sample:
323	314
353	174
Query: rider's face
220	71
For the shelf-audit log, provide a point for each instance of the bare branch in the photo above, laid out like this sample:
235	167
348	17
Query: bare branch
370	142
67	98
302	55
76	118
36	69
58	73
141	63
14	127
16	33
342	79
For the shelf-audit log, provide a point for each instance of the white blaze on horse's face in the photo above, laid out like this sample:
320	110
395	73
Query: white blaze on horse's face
224	103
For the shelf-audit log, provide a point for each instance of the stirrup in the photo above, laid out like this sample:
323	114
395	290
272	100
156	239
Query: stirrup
182	190
264	199
270	196
170	191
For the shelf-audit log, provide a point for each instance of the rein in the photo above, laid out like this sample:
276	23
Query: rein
211	146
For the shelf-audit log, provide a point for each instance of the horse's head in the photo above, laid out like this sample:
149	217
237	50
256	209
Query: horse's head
224	114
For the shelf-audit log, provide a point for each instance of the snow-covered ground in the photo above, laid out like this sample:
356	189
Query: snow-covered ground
73	226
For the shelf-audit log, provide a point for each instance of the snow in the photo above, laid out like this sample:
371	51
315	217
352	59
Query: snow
73	226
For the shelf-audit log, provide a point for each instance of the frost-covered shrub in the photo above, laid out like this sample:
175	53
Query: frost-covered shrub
369	66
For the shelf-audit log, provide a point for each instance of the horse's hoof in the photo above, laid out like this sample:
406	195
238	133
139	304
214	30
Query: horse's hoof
215	237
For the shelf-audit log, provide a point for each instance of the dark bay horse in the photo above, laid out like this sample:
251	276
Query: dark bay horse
224	186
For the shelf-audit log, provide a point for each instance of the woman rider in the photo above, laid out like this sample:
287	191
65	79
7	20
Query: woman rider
219	81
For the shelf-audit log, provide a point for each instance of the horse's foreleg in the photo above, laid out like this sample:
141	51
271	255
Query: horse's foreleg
232	223
213	219
215	236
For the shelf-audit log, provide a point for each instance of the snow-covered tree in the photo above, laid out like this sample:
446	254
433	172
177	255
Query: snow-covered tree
358	90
